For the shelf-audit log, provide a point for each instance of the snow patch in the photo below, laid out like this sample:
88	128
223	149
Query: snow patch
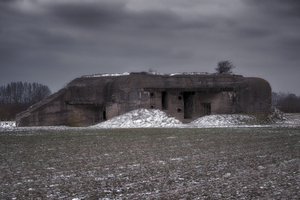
152	118
141	118
190	73
7	124
150	72
103	75
222	120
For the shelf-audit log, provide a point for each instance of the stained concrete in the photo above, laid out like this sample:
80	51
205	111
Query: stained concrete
89	100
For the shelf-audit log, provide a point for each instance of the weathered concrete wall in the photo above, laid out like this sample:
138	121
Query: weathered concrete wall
253	96
89	100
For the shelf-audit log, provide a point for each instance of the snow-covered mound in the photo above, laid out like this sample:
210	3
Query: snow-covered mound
103	75
140	118
222	120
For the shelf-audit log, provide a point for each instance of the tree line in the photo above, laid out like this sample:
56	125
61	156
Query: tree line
16	97
286	102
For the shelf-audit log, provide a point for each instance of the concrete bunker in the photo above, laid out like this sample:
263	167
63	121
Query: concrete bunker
89	100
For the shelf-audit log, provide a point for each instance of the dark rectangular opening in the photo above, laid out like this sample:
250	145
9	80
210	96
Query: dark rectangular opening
104	115
164	100
99	114
188	104
206	108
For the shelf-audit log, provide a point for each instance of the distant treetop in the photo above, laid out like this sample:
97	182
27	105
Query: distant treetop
225	67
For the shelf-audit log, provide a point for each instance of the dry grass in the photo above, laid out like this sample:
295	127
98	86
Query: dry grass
231	163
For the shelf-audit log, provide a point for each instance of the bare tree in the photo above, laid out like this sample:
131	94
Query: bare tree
225	67
18	96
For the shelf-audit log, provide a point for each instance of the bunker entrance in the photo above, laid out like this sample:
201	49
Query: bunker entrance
99	114
188	104
206	108
164	100
104	115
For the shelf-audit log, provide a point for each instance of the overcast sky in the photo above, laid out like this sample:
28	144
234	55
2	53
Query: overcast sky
54	41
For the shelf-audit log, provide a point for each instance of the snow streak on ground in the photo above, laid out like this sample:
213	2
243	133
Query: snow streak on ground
152	118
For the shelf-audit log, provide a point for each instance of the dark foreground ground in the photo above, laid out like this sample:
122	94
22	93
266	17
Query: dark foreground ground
228	163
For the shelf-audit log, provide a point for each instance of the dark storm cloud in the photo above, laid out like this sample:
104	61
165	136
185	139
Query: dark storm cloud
73	34
27	35
7	1
290	48
248	32
89	15
285	9
45	40
123	33
103	15
277	23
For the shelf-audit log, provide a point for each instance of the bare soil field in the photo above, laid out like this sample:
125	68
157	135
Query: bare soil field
153	163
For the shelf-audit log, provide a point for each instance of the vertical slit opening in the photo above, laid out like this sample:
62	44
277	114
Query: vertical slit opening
104	115
164	100
188	105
